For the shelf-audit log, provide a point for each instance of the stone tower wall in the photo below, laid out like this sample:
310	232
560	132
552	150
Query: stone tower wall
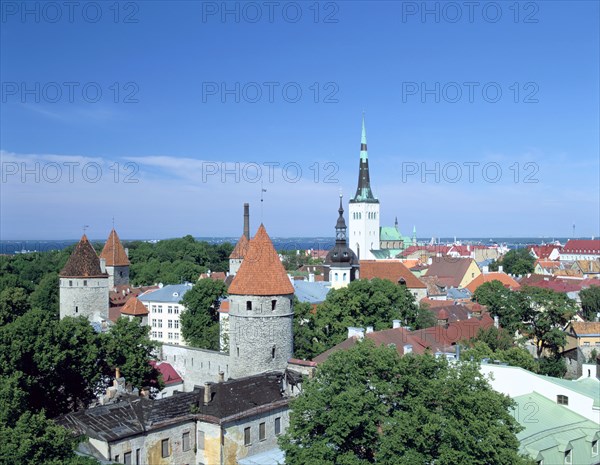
87	297
117	276
260	339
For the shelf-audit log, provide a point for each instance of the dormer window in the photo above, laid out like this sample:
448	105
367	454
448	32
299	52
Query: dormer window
562	400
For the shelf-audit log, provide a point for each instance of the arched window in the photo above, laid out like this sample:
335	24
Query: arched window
335	276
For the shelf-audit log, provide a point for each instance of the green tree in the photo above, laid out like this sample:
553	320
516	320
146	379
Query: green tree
367	405
590	302
46	294
500	302
552	366
545	314
304	330
375	302
200	319
425	317
34	440
13	304
516	261
57	362
127	346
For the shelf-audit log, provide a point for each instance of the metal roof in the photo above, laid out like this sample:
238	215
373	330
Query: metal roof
171	293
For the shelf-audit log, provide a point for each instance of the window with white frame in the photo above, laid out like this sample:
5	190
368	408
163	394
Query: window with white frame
170	323
176	324
170	309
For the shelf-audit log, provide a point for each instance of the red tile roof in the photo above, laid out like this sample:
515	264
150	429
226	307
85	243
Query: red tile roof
169	374
505	279
261	271
113	251
435	339
134	307
83	262
241	248
392	270
543	251
582	246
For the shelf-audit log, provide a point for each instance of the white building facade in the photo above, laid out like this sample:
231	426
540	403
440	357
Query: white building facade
164	310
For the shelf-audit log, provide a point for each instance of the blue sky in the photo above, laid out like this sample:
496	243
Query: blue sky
160	115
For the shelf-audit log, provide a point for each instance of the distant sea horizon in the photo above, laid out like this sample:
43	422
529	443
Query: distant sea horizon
12	247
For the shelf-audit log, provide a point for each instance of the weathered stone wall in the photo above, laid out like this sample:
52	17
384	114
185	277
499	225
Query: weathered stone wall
260	338
117	276
89	300
150	446
196	366
234	447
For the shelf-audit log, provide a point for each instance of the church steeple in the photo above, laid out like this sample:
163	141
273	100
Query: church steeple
363	190
340	226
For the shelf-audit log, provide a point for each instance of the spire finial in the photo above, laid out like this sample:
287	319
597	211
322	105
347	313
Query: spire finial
85	226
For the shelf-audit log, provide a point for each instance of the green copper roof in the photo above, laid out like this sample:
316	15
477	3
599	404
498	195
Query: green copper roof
551	428
389	233
363	141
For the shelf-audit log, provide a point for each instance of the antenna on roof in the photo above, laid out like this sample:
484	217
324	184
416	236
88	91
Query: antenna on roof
262	190
573	230
85	226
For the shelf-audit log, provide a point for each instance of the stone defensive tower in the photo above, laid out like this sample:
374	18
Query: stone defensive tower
260	311
84	284
363	215
117	261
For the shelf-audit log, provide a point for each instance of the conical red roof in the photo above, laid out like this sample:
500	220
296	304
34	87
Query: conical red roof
113	251
240	248
135	307
83	262
261	272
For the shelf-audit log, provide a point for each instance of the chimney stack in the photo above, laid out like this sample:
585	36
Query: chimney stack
353	331
207	393
247	220
369	329
395	324
221	376
496	321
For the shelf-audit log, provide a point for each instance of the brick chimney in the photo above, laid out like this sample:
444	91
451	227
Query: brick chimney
247	220
207	393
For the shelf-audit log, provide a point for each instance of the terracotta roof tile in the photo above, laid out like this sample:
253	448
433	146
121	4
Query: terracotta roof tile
505	279
83	262
134	307
241	248
392	270
582	246
113	251
261	271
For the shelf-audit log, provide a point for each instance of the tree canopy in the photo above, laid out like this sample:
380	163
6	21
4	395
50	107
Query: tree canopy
590	302
200	319
367	405
515	261
173	261
375	302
